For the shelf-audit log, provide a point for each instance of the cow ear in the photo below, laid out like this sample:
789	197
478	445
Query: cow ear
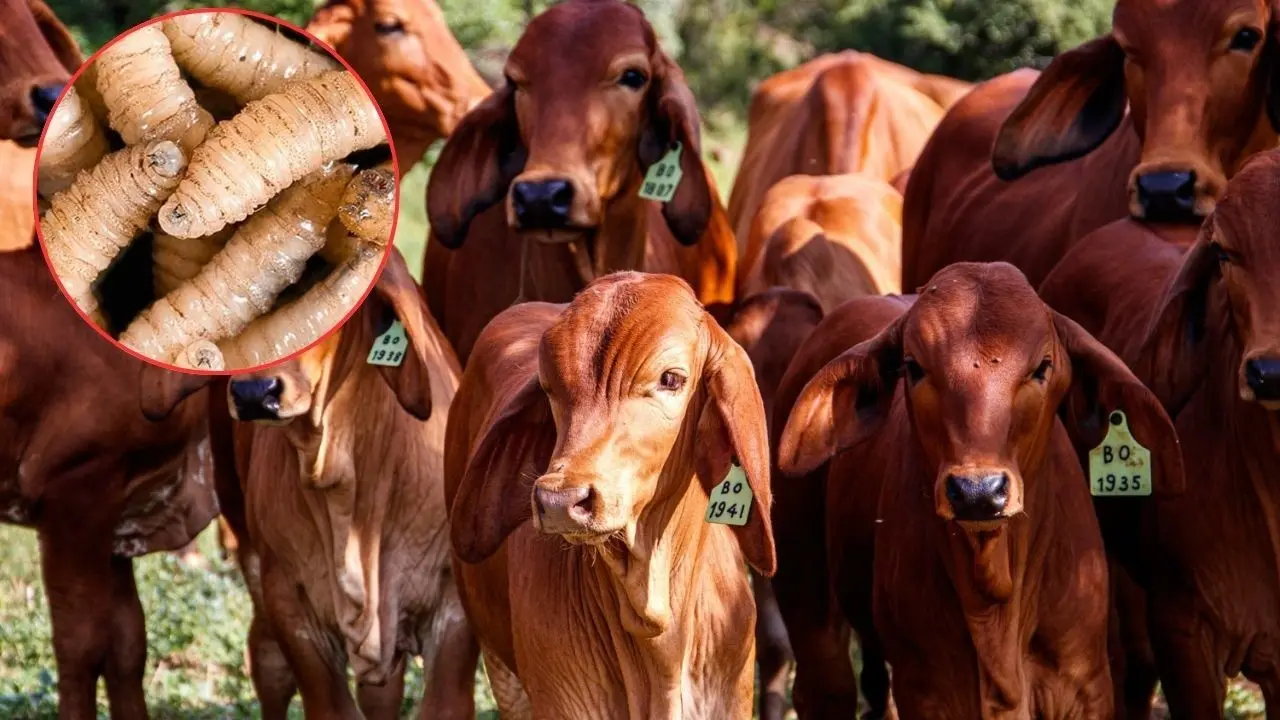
160	391
1101	384
1273	54
56	34
1075	104
672	119
477	164
332	22
397	293
494	497
1175	355
732	429
844	403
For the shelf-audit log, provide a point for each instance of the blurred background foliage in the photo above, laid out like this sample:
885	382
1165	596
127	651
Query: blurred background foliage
727	46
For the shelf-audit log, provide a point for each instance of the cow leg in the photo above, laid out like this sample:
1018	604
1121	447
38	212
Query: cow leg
82	582
825	685
874	679
127	656
1189	667
382	702
273	681
1133	665
321	675
450	691
773	650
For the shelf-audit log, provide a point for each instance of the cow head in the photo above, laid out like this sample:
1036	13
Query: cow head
985	368
301	387
417	71
37	54
644	389
590	102
1225	296
1200	79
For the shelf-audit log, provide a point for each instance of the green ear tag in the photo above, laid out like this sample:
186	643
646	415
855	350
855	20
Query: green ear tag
389	347
730	500
663	178
1120	466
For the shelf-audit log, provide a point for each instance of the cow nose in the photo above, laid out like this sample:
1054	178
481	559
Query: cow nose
978	498
542	205
565	511
1167	196
1263	376
43	98
256	399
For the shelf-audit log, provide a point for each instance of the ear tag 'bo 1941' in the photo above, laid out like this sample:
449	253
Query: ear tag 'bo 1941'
730	501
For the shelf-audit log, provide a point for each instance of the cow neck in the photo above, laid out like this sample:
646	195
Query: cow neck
348	412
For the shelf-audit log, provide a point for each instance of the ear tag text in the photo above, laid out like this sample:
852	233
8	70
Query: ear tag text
389	347
730	501
1120	467
663	178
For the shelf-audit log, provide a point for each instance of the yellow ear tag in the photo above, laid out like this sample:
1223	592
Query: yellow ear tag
730	500
1120	466
389	347
663	178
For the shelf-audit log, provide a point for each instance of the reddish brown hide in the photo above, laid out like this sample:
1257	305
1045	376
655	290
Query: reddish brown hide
339	491
842	113
1196	77
1199	326
582	445
535	193
419	74
989	577
37	55
98	481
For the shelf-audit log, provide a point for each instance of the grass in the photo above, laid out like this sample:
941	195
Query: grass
197	619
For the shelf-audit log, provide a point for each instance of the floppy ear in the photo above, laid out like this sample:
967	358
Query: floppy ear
844	403
1100	384
732	427
332	22
494	497
478	162
673	118
1175	355
1273	79
1075	104
56	34
160	391
401	299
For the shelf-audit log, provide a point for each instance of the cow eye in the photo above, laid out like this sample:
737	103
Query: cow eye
1223	255
388	26
1041	373
633	79
671	381
1246	39
914	372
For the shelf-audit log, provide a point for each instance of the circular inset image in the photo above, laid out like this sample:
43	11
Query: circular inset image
215	191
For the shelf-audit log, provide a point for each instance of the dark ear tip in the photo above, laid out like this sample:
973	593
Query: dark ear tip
1008	171
451	240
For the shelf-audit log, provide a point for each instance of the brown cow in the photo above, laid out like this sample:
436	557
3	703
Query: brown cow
99	482
347	556
582	446
843	113
989	583
37	55
536	192
1199	326
1196	76
836	237
415	68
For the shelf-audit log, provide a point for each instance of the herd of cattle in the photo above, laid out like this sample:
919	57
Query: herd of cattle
1089	246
